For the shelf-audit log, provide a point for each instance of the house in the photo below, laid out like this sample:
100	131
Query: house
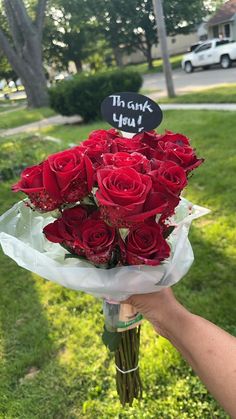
223	22
177	44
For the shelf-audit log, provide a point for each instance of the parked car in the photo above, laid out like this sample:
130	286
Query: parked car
211	52
2	84
194	46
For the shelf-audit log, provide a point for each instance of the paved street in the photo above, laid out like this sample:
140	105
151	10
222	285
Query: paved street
154	84
197	80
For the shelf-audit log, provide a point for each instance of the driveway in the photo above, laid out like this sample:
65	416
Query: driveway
183	82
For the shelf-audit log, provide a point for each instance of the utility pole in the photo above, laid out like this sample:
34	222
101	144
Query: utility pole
161	30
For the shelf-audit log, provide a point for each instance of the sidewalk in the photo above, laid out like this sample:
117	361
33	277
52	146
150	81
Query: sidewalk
63	120
199	106
35	126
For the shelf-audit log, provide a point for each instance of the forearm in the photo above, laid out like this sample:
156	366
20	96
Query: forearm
209	350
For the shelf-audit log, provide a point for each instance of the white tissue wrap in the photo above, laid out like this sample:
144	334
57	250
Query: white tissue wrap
22	240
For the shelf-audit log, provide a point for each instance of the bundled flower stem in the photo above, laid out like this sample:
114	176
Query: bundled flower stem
128	384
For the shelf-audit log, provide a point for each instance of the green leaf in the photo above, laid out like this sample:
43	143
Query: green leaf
72	256
168	231
115	257
111	339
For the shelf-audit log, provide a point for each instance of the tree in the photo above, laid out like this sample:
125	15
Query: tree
127	25
22	45
145	35
181	17
71	33
213	5
130	25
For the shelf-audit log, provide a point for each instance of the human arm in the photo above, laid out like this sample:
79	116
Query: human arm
208	349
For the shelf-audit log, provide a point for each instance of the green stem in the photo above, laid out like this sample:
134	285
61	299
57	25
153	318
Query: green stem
128	385
123	377
118	382
130	365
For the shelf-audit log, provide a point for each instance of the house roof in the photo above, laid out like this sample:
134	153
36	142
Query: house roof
224	14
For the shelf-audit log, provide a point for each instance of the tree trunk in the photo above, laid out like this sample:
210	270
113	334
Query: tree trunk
24	52
118	57
36	90
78	65
31	72
33	78
149	57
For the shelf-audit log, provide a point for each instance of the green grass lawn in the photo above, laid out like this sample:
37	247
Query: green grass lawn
24	116
157	65
53	363
222	94
9	107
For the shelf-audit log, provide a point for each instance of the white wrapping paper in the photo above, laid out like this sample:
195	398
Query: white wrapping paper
22	240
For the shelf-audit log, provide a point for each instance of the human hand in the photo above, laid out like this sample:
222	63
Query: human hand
159	308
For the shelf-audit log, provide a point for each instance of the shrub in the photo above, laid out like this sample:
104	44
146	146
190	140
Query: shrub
83	95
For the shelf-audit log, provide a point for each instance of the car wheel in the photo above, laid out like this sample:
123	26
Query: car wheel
188	67
225	61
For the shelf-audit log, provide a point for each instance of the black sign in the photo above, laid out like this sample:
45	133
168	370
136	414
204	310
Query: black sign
131	112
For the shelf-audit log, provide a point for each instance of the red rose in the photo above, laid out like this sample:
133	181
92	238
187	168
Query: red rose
31	183
149	138
66	230
184	156
95	150
145	245
169	177
58	232
98	240
68	175
128	145
121	159
103	135
176	147
91	238
74	217
124	196
176	138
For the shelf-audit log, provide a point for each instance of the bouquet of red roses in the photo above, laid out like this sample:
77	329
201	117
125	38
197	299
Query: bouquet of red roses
118	208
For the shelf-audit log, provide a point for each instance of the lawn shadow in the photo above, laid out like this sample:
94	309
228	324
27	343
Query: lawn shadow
33	382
